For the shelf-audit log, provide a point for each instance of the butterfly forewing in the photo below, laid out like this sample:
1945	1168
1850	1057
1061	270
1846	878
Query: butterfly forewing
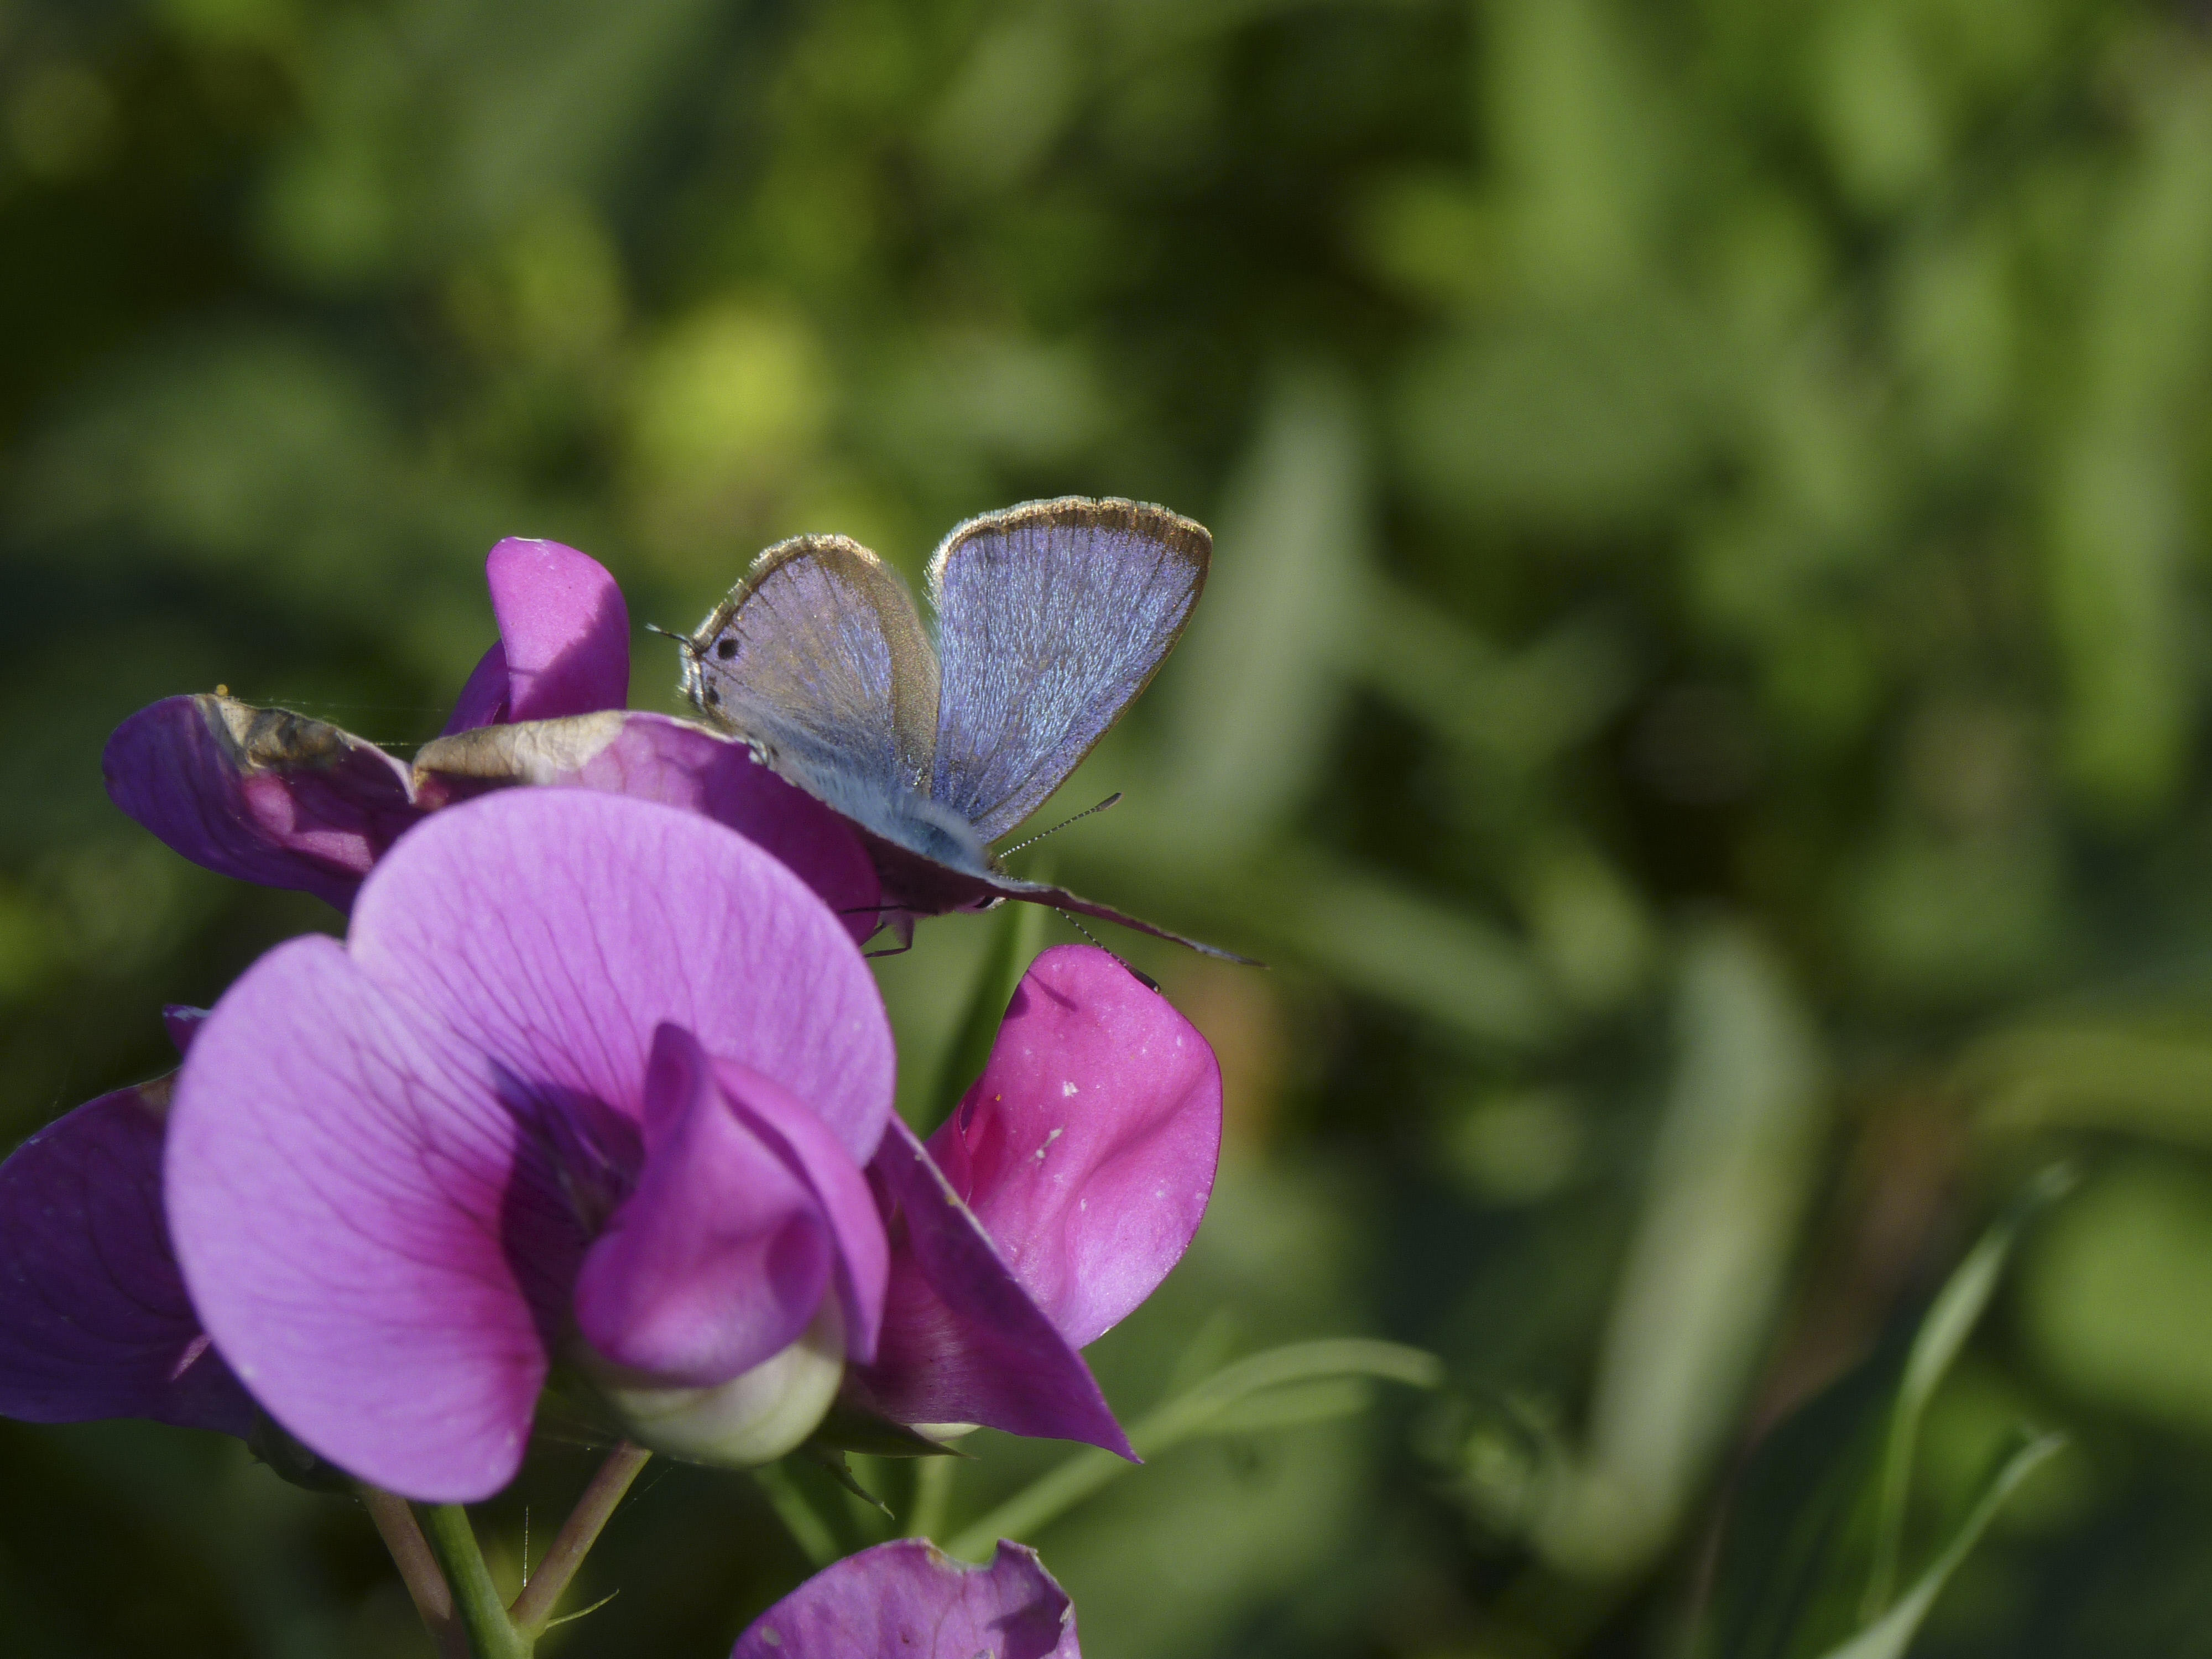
819	657
1050	618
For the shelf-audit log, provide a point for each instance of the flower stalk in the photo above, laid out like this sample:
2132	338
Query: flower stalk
419	1569
481	1612
451	1586
532	1611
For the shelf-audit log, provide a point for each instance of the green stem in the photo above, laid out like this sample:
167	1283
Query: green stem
1197	1412
418	1570
933	1491
481	1610
807	1528
533	1609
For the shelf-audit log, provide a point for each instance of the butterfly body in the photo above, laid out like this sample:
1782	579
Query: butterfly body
1051	618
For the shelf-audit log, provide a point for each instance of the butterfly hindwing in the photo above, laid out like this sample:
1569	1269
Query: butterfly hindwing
818	657
1051	618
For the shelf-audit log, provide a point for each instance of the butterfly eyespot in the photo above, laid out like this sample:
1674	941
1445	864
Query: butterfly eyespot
713	698
726	649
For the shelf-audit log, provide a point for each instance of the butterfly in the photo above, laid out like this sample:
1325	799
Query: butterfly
1051	618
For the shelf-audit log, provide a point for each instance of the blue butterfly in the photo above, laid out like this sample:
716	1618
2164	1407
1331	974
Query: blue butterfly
1051	618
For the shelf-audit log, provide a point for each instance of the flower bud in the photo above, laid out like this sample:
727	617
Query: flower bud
754	1418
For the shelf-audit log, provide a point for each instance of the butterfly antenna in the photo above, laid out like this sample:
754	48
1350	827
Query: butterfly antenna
1137	974
684	640
1087	812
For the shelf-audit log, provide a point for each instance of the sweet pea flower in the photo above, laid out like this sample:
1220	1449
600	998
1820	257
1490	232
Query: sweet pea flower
589	1084
274	797
908	1600
1055	1200
1068	1181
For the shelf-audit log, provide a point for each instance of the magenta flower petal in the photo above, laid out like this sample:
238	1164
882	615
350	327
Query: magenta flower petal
721	1254
1088	1147
565	628
362	1227
93	1318
563	643
258	793
657	757
812	1153
615	916
388	1158
963	1341
908	1600
483	693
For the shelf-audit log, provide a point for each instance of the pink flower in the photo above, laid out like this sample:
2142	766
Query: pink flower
561	1099
907	1599
589	1083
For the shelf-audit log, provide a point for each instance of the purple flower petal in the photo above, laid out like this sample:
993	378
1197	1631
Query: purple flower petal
614	916
813	1154
260	794
385	1155
719	1255
963	1341
563	643
656	757
565	628
908	1600
1087	1149
93	1318
483	693
363	1228
183	1024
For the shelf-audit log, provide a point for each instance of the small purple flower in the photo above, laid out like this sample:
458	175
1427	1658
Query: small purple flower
271	797
908	1600
590	1082
1055	1199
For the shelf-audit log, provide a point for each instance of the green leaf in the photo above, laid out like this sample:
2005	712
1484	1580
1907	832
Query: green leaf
1816	1522
1888	1637
1958	1308
1792	1561
833	1462
1276	1389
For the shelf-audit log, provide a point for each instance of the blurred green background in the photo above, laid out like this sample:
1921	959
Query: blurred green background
1700	701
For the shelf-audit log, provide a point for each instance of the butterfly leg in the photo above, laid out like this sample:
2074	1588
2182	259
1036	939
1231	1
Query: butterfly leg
900	926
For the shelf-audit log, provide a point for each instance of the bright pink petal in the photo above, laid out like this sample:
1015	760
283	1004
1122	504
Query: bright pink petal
656	757
366	1228
908	1600
258	793
93	1318
963	1342
1087	1149
721	1254
557	929
565	628
814	1155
